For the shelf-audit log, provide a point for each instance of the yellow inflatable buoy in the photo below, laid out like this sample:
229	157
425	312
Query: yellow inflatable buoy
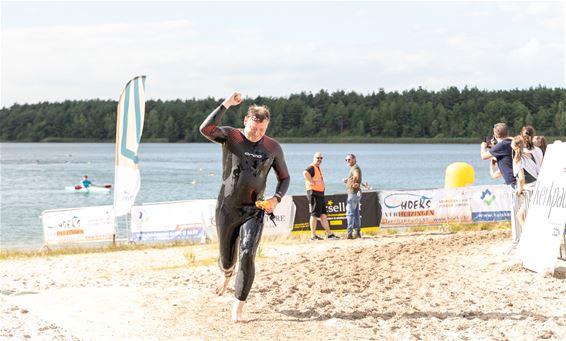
459	174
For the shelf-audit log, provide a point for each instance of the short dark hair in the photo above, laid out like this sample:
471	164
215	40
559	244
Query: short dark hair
258	112
500	130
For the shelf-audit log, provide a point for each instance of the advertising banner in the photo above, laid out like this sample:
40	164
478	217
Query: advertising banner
178	220
284	218
425	207
208	215
490	203
336	211
76	225
453	205
194	219
546	217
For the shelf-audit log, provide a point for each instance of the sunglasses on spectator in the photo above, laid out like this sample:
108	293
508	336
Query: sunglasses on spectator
348	160
319	158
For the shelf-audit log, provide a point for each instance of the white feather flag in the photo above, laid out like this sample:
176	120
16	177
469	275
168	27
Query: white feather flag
129	126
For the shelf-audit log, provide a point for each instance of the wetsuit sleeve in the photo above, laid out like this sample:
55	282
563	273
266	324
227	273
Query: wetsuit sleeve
210	129
283	178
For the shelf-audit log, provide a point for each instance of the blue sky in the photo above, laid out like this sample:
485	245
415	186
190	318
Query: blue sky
52	51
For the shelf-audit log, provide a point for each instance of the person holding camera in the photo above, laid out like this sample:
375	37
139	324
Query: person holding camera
502	153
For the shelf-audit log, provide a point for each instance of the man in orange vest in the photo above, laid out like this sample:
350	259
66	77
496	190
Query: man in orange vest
314	182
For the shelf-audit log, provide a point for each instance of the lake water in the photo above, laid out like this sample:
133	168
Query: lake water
33	175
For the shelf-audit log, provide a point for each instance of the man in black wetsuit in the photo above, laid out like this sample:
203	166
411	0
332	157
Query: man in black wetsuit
247	157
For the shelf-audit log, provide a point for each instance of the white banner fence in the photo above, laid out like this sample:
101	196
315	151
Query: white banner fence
194	220
546	217
166	221
78	225
439	206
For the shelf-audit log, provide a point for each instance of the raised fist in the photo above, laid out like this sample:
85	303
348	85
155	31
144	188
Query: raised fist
235	98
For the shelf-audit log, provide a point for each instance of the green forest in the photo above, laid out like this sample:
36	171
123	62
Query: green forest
450	113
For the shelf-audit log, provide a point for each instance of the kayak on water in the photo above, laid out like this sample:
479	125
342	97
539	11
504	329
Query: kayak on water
90	189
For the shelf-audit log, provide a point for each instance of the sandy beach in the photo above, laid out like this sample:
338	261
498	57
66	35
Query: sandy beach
432	286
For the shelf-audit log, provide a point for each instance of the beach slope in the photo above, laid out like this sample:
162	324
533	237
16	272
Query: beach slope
422	286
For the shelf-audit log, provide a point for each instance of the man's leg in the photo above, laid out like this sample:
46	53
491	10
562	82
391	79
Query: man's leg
227	242
311	197
250	235
349	216
321	203
324	223
222	284
237	311
312	223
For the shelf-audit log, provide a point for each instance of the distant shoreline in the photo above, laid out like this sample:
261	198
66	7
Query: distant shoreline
333	139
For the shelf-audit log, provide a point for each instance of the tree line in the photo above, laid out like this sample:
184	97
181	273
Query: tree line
415	113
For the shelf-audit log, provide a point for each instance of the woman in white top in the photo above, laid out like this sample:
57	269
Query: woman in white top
526	167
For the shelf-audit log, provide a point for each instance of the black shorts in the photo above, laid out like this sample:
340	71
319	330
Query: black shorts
317	204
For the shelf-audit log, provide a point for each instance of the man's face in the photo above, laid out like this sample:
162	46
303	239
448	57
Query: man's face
495	135
350	160
317	159
254	130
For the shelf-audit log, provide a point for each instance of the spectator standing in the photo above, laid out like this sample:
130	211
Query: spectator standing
502	152
314	183
353	184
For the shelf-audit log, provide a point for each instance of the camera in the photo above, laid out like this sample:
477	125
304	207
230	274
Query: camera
490	141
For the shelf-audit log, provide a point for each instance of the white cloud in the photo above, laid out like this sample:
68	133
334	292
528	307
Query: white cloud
526	54
185	59
35	60
549	14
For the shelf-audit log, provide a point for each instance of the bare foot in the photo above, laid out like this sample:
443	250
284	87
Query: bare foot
237	309
221	285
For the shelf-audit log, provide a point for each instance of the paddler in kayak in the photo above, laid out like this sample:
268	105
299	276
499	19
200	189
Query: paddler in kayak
86	183
247	157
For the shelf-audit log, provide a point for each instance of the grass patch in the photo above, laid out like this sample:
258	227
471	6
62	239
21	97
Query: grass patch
191	256
484	226
83	249
259	253
391	231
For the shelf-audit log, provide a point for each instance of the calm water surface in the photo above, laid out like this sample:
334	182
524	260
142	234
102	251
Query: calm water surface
33	175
